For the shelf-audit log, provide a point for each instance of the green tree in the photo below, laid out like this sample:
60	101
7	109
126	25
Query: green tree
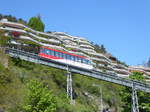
36	23
39	98
143	98
100	49
4	40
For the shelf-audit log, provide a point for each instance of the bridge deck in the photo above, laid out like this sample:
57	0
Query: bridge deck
98	75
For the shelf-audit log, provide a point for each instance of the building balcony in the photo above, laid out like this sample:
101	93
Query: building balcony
45	39
86	46
14	42
122	71
66	38
73	47
68	42
87	50
11	24
84	42
23	26
99	55
119	66
101	60
40	43
12	29
111	72
108	67
123	75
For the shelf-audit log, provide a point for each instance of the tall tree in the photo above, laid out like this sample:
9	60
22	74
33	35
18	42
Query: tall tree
39	98
100	49
36	23
143	98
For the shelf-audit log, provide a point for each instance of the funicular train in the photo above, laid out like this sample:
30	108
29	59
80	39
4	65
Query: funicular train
65	58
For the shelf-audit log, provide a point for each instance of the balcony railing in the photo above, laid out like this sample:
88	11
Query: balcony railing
87	50
101	60
108	67
120	66
12	23
23	26
123	71
12	29
40	43
49	40
81	41
86	46
123	75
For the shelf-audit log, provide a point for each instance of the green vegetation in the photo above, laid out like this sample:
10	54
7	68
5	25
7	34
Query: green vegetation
30	87
100	49
12	19
39	98
16	94
4	40
143	98
36	23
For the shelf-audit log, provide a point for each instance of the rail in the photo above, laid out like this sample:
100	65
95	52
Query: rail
16	53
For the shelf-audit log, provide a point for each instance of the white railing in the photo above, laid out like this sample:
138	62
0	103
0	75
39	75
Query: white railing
87	50
123	75
37	32
29	38
13	23
86	46
81	41
12	29
122	71
71	46
120	65
50	40
101	60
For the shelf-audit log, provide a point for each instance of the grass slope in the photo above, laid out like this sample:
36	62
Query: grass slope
15	76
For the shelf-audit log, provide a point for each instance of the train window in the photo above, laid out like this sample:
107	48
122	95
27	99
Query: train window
63	55
72	58
79	60
68	57
52	53
59	54
85	61
82	60
89	62
76	58
47	51
56	54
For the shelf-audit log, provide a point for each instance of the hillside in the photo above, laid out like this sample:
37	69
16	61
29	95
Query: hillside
15	76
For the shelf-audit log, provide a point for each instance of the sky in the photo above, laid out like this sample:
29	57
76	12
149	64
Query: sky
122	26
